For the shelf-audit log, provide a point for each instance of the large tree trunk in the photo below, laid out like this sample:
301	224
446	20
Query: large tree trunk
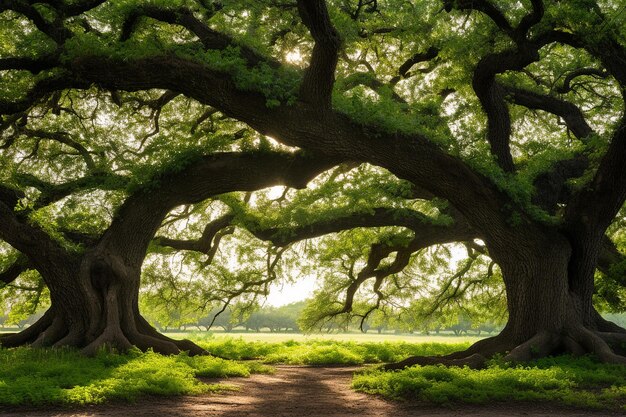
95	305
548	311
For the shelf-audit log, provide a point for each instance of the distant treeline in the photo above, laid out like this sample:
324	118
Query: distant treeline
285	319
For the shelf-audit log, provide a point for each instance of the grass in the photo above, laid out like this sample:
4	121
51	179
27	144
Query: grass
341	337
46	376
322	352
39	377
580	382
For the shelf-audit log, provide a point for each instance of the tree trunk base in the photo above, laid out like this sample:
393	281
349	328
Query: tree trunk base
51	331
608	347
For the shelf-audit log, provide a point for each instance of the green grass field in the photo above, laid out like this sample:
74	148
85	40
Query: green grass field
351	337
39	377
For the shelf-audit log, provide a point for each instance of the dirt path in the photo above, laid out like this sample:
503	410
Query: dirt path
291	392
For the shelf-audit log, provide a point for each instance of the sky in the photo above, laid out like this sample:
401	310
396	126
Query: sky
281	294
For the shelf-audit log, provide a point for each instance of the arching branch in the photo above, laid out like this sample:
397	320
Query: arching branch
566	87
208	176
207	242
570	113
378	217
55	30
210	39
403	71
61	137
51	193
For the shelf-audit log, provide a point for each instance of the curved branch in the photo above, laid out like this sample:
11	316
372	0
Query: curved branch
600	202
482	6
55	30
570	113
206	242
137	221
317	84
591	72
51	193
532	18
10	274
64	138
29	239
379	217
209	38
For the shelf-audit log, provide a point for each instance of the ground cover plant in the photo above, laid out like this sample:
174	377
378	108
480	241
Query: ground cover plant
61	376
580	382
38	377
323	352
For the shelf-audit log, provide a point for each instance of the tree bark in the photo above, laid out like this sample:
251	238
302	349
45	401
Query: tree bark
550	312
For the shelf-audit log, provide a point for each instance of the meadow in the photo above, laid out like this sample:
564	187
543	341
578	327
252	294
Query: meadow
41	377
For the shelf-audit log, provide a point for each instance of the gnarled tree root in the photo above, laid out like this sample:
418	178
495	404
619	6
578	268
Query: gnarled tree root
52	331
608	347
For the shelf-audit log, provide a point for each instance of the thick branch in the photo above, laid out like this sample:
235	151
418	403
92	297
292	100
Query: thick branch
11	273
570	113
141	215
408	156
492	98
317	84
210	38
206	242
379	217
29	239
482	6
592	72
51	193
54	30
403	71
34	65
594	207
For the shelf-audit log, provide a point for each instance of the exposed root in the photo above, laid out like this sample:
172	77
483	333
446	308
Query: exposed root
111	338
596	345
56	331
485	347
30	334
603	325
542	344
475	361
606	346
573	347
183	345
617	341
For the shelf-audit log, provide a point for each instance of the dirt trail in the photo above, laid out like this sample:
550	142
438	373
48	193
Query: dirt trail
292	392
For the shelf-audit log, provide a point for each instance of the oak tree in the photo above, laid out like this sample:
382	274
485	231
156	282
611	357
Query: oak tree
504	122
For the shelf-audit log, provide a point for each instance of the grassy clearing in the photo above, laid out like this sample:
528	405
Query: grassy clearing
580	382
37	376
322	352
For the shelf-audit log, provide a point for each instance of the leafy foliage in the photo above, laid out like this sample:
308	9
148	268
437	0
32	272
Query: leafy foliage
565	380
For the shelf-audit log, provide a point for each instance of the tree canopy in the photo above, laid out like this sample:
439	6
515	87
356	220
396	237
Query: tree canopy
139	139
